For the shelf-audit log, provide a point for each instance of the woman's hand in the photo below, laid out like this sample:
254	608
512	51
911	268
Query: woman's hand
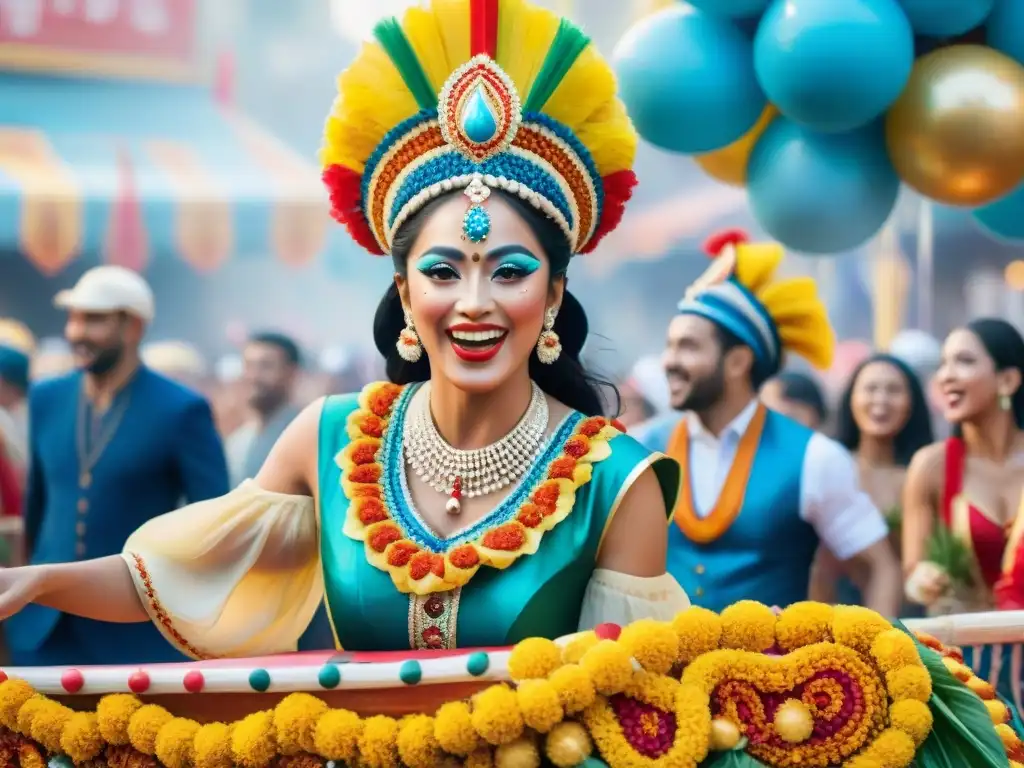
19	587
927	583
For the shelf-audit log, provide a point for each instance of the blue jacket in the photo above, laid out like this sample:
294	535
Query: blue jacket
165	449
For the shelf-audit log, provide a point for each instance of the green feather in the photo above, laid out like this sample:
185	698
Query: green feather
398	48
569	43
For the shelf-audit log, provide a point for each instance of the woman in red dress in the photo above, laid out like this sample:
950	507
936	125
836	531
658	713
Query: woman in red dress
971	483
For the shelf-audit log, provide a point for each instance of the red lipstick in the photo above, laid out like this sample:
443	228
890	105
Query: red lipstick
476	351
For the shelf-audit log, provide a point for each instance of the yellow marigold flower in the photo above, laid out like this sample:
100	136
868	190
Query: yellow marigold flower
378	744
803	624
534	658
857	627
892	749
912	717
252	740
609	666
30	758
540	704
481	758
175	743
48	724
893	649
295	719
337	735
699	631
1009	736
113	714
28	713
960	671
453	729
568	745
654	644
213	746
144	725
983	688
909	683
13	694
575	688
997	711
521	753
81	740
416	743
579	645
496	716
748	626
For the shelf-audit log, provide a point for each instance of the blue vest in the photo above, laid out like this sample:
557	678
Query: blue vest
766	553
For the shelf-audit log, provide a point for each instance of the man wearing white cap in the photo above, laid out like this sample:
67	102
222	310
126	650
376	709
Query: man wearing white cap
112	445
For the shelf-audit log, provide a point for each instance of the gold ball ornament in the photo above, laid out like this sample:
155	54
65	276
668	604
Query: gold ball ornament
729	164
725	735
956	133
568	744
793	722
521	753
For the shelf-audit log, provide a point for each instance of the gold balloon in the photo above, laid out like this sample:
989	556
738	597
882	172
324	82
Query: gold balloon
956	134
729	164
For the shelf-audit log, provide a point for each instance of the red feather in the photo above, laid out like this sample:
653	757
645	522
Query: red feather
618	189
483	27
717	242
345	188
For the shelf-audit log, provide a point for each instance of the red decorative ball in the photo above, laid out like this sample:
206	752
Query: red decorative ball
3	676
193	681
608	631
72	680
138	682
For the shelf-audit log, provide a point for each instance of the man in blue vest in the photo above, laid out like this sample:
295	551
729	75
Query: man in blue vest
760	491
111	446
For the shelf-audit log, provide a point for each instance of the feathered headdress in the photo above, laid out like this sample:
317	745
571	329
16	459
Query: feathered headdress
478	95
740	293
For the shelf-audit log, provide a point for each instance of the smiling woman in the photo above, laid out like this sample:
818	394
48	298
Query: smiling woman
482	495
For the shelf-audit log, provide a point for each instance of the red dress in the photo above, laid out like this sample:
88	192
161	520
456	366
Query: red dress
986	538
10	486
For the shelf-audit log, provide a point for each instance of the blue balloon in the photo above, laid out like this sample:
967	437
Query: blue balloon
1005	29
687	79
1003	219
833	65
734	9
821	193
946	18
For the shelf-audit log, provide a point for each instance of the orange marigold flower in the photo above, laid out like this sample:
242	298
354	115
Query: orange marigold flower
619	426
505	538
546	496
577	447
371	425
464	557
364	452
424	563
365	473
562	468
928	641
382	535
365	491
401	552
381	399
983	688
530	515
592	426
371	510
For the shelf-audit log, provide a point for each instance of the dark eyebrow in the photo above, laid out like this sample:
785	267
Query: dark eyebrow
505	250
446	251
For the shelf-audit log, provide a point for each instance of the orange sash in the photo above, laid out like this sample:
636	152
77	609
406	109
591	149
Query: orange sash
704	530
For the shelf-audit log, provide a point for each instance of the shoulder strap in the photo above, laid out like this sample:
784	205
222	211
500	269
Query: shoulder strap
954	469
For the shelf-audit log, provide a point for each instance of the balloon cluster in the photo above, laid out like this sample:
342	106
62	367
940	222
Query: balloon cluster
822	107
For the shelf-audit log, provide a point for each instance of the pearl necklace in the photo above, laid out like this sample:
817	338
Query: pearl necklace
477	472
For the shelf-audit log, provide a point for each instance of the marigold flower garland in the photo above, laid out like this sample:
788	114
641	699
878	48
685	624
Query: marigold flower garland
850	690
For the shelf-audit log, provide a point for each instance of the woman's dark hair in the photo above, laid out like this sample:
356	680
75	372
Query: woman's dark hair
566	380
803	388
1004	345
912	437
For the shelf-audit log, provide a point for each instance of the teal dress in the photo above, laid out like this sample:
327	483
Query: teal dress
392	584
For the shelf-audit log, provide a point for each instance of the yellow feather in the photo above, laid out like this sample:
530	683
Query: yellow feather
452	18
610	137
426	36
525	33
756	264
587	86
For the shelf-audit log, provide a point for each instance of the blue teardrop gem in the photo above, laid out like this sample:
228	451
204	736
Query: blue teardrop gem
478	120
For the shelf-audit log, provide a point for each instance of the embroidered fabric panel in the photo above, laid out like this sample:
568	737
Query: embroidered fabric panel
433	619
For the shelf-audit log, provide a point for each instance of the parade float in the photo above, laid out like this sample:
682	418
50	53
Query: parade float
808	686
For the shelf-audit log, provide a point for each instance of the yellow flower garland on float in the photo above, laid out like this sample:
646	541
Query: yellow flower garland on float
661	694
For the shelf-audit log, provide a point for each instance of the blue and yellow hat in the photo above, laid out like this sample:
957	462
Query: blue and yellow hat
740	293
16	347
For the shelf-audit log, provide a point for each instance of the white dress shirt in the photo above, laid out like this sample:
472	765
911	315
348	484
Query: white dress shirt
831	500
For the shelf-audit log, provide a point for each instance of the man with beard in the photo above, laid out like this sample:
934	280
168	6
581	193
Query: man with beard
759	489
112	445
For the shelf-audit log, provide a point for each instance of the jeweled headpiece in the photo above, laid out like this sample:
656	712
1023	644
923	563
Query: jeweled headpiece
740	293
478	95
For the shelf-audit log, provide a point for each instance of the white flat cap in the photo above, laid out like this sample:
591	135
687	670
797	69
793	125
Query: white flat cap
110	289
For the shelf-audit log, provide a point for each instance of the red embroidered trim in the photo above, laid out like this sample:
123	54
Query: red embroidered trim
157	610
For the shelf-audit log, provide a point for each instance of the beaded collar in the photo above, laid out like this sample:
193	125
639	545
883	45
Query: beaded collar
396	539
